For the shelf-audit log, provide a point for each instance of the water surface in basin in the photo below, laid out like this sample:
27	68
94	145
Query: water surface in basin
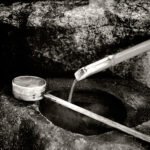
97	101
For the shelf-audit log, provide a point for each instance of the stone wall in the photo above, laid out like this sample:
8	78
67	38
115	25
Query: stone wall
70	35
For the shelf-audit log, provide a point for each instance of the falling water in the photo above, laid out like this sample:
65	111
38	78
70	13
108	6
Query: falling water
72	90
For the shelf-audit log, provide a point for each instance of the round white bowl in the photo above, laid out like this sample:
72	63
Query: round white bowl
28	88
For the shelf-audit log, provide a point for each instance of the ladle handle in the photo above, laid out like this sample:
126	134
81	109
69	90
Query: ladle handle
99	118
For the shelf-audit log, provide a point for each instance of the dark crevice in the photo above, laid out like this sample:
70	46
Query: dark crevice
68	3
14	52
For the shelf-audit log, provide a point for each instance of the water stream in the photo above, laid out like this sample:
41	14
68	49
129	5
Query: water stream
72	90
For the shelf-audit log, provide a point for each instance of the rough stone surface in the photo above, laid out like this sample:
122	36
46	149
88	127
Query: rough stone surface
24	127
62	36
138	67
59	34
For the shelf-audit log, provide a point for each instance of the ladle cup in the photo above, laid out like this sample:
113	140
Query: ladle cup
31	88
28	88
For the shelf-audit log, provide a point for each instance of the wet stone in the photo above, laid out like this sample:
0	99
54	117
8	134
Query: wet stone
23	126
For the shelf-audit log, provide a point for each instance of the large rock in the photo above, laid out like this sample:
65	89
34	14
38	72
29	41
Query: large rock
133	16
85	34
66	36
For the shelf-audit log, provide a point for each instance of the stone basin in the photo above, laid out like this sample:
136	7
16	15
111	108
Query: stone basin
97	101
96	97
23	126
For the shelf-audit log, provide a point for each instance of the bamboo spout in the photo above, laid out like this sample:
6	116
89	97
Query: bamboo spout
111	60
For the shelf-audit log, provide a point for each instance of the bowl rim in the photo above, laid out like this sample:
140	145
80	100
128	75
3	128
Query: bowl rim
21	86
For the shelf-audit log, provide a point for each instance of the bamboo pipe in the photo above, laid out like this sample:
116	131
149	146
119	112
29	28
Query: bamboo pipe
99	118
111	60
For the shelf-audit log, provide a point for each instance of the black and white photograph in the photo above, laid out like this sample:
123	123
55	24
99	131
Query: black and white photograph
74	74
